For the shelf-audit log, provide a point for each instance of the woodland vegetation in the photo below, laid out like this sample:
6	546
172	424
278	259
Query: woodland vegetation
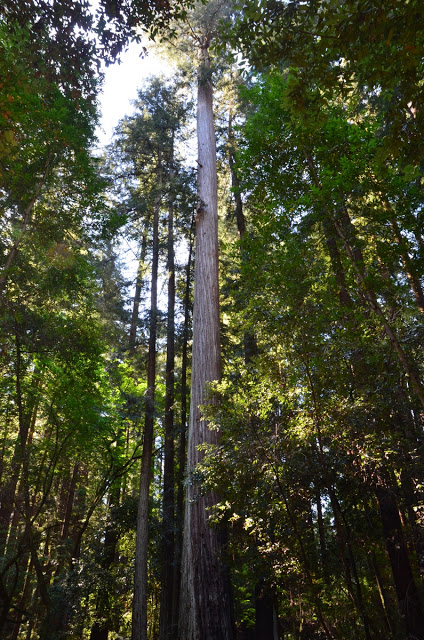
222	436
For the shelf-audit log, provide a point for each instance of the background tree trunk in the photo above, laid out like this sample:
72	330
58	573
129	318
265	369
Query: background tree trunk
137	295
406	590
165	623
139	623
182	445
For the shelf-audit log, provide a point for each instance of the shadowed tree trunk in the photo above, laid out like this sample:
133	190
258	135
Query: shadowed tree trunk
139	624
249	339
165	623
264	615
104	623
406	590
27	413
346	231
179	510
137	295
410	270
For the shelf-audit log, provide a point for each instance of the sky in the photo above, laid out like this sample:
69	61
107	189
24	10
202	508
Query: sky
120	87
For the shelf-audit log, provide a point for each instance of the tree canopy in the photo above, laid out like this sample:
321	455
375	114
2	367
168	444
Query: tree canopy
212	392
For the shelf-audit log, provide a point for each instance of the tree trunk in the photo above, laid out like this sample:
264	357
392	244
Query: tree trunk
336	264
406	590
347	233
104	622
179	512
137	296
321	536
249	339
206	606
23	604
309	574
264	614
69	502
139	623
413	277
27	416
341	529
25	222
165	622
385	603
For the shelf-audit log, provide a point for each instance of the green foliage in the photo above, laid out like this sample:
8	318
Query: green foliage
323	412
360	48
321	421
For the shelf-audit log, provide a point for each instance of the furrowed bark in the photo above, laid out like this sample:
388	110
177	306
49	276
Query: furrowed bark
205	607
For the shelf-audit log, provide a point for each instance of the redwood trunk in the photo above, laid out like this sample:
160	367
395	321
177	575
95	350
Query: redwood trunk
406	590
165	622
179	511
139	623
205	607
249	339
137	296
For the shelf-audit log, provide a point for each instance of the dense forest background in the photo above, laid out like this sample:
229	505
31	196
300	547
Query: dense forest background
299	511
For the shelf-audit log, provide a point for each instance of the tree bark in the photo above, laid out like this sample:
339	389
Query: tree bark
137	296
104	622
179	511
264	614
69	502
23	603
27	416
205	607
409	267
165	621
139	623
249	339
409	603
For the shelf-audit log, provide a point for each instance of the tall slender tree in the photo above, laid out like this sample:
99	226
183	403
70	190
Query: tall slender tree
139	626
168	511
205	605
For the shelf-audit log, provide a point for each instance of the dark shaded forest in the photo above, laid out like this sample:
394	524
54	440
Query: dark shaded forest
211	332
